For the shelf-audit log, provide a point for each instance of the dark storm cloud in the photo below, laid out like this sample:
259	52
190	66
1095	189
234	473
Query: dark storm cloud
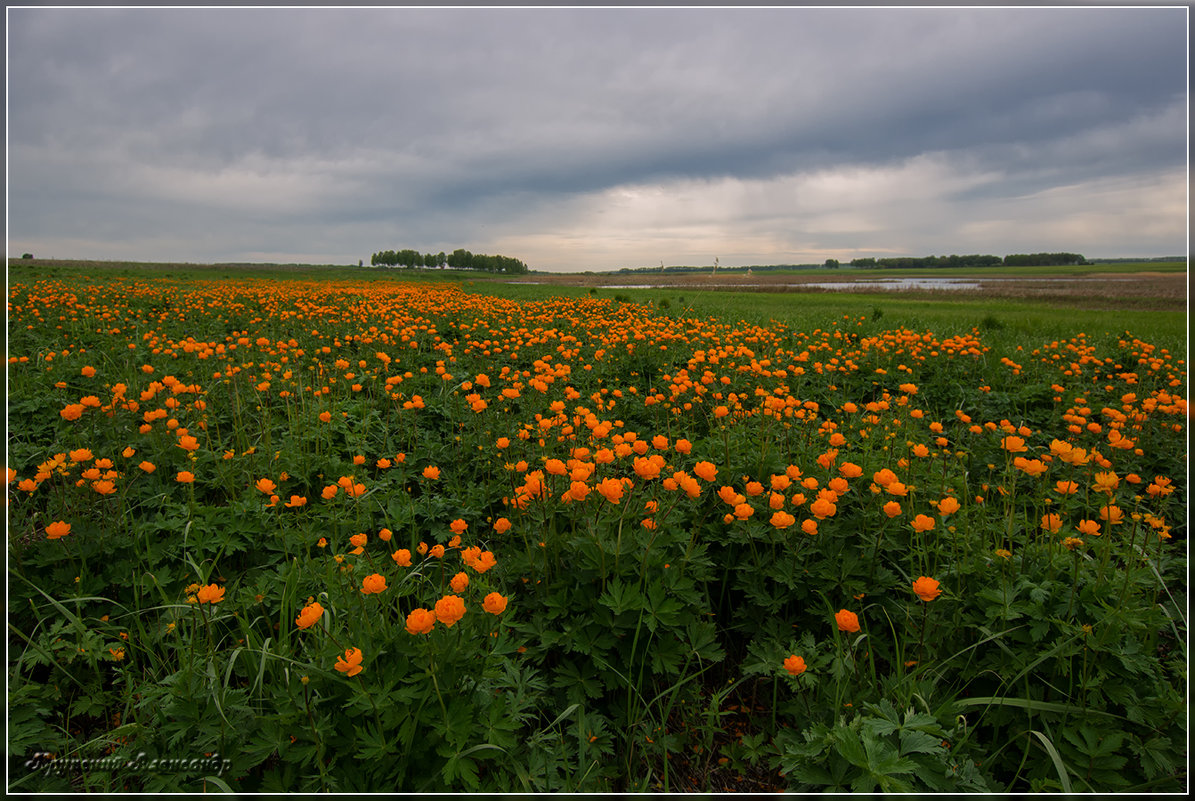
404	126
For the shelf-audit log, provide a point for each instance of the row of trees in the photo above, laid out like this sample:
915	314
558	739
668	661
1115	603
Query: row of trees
459	259
974	260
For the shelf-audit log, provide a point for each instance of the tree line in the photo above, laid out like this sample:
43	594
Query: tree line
459	259
974	260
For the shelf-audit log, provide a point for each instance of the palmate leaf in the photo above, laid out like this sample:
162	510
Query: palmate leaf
620	597
663	609
371	742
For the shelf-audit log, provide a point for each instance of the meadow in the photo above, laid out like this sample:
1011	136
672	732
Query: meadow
351	530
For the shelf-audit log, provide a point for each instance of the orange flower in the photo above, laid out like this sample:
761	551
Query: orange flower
809	527
329	492
459	582
847	621
373	585
420	621
437	551
822	508
350	663
185	477
477	559
1013	444
795	665
1066	487
892	508
646	468
1088	527
1032	467
402	557
850	470
494	603
325	417
705	470
948	506
1051	523
148	467
783	520
431	473
611	489
57	530
1106	482
884	477
577	491
449	610
729	496
385	534
1112	514
211	594
266	486
458	526
81	455
927	589
354	490
296	501
310	615
72	411
501	525
1070	543
922	523
188	443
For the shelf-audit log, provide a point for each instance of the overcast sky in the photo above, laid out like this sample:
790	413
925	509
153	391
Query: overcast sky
595	139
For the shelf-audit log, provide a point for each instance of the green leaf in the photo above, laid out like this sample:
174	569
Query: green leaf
620	597
1056	758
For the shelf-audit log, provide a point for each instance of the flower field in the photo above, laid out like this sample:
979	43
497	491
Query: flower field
361	536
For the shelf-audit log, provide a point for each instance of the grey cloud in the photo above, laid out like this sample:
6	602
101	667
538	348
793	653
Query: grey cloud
416	120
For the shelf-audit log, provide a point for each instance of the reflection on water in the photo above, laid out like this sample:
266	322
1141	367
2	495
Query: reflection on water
885	284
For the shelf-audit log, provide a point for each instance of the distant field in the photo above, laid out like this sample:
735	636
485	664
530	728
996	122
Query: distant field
1098	299
1141	286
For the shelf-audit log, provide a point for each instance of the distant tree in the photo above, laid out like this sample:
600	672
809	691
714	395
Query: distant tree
26	255
460	259
1042	259
831	264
